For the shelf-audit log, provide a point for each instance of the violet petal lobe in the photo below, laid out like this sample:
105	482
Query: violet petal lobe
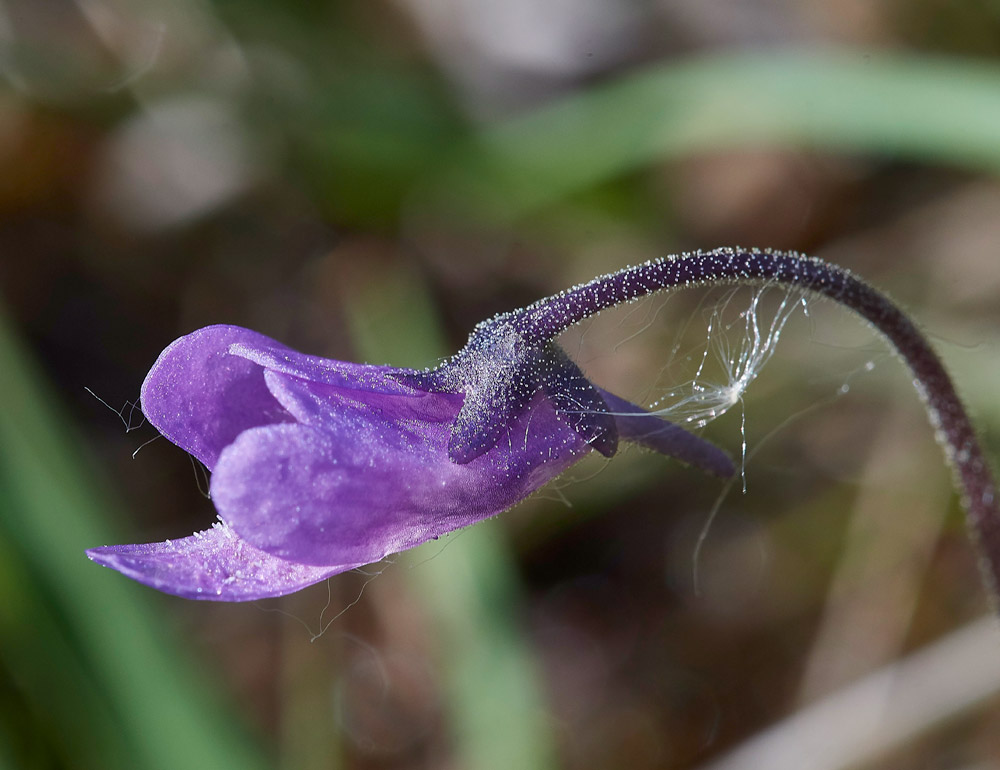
357	483
214	564
273	356
201	397
316	403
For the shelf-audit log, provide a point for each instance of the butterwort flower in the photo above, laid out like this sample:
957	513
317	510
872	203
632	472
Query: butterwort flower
321	466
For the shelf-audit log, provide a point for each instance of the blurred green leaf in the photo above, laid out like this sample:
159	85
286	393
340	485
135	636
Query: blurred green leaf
932	110
498	712
87	648
369	136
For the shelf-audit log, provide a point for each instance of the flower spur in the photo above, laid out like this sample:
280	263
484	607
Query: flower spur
320	466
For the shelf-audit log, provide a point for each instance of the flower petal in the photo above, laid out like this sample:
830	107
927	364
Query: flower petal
366	483
314	403
201	397
215	564
276	357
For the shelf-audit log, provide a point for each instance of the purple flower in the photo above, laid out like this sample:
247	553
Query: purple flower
320	466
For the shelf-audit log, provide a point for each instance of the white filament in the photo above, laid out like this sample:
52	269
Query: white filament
735	351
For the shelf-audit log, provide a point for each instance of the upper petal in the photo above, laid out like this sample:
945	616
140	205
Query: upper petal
315	403
215	564
201	397
274	356
362	482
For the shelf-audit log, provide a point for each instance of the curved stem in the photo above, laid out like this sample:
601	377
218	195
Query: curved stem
972	473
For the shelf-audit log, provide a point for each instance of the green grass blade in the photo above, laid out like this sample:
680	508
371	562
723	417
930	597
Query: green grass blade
471	588
931	110
99	651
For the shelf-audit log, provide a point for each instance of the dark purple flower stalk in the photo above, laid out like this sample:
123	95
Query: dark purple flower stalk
321	466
